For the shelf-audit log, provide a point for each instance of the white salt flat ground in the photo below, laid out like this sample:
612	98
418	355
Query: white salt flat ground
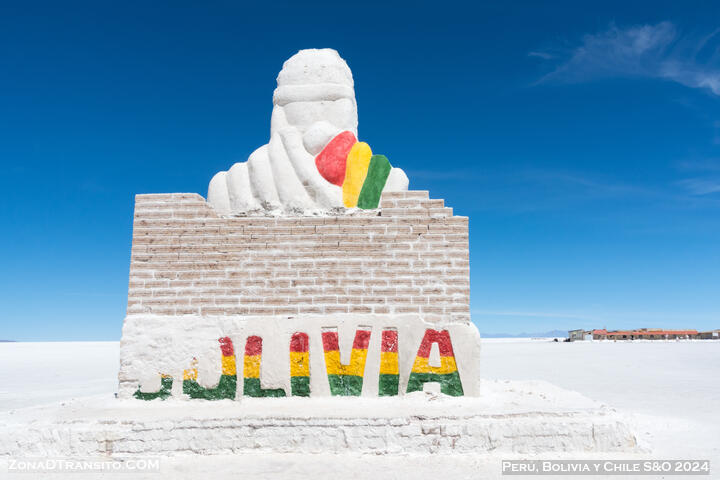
671	389
40	373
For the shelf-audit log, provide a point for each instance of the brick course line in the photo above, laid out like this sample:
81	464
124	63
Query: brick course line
409	256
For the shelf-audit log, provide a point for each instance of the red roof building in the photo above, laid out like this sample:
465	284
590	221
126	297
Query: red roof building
643	333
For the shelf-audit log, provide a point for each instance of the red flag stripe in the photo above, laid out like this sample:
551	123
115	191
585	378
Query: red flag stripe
362	339
226	347
299	342
330	341
442	338
389	341
253	345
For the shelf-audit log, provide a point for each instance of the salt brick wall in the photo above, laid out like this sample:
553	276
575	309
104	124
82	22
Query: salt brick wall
410	256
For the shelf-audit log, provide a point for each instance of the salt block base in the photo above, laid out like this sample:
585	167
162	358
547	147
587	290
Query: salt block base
509	417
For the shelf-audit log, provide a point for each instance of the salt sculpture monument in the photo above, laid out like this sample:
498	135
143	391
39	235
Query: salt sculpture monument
310	271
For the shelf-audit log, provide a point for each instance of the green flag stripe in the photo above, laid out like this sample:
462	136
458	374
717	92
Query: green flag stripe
388	385
345	385
377	174
163	393
450	383
252	388
225	389
300	386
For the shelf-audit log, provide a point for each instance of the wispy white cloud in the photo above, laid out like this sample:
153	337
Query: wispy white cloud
700	186
655	51
587	185
705	179
445	174
700	165
543	55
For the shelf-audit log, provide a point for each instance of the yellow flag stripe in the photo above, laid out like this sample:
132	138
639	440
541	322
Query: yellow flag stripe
299	364
228	365
358	161
389	363
421	365
355	367
251	366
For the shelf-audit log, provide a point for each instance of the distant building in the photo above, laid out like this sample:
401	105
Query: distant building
575	335
644	334
711	335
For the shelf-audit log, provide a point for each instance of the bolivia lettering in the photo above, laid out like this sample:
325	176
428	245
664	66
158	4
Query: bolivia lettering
343	379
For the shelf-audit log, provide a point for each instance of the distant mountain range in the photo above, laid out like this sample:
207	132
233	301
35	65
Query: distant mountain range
551	333
1	341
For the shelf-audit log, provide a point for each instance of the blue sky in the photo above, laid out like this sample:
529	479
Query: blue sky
582	139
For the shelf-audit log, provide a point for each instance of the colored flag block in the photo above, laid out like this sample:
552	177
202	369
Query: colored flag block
166	382
345	380
389	368
300	365
446	374
372	188
331	162
227	384
251	371
358	161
